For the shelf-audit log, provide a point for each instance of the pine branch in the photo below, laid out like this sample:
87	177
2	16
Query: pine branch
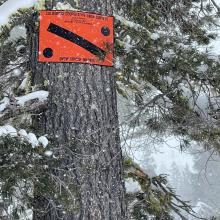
14	110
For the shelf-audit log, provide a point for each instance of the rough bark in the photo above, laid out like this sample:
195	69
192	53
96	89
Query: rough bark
82	116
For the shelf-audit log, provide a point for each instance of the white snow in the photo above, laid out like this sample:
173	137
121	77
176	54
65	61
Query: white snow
204	210
132	186
2	131
64	6
16	72
33	140
168	54
203	68
11	6
17	32
23	83
40	95
136	61
19	47
4	103
118	63
48	153
10	130
127	43
43	140
128	47
130	24
23	135
155	36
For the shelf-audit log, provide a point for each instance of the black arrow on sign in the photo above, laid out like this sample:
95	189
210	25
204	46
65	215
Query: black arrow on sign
76	39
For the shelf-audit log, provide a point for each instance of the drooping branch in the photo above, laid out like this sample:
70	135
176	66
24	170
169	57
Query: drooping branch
155	191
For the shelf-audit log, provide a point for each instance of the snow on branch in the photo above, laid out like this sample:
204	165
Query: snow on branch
22	100
40	95
11	6
64	6
23	104
8	130
13	111
131	24
4	103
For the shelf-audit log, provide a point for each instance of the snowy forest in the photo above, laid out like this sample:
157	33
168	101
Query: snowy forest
138	140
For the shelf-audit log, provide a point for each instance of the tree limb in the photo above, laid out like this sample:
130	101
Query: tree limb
15	110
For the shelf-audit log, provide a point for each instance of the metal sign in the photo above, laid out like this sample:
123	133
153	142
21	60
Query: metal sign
73	36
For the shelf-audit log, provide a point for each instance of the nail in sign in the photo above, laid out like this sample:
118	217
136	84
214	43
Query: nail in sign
74	36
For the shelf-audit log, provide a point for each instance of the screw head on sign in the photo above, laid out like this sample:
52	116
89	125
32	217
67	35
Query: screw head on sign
48	52
105	31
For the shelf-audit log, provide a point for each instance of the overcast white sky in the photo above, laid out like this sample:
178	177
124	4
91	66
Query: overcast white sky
216	43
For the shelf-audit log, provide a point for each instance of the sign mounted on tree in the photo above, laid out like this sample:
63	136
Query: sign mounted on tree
74	36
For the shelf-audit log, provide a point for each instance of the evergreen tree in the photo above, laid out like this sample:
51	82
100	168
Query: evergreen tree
87	125
175	88
177	81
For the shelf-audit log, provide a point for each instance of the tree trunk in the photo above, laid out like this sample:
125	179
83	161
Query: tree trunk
82	117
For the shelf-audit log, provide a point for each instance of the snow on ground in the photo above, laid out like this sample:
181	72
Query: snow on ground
11	6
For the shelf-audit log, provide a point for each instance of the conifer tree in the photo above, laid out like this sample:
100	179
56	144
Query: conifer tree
79	174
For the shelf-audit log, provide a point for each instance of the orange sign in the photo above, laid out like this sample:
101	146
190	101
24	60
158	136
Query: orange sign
74	36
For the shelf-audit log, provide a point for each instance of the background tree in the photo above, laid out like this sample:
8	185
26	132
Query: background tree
166	54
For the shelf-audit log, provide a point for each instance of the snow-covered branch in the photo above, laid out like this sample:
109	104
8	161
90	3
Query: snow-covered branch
8	130
32	102
13	111
131	24
11	6
40	95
